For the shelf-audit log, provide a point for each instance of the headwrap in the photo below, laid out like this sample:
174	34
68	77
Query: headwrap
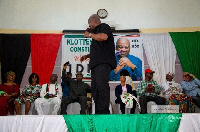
171	74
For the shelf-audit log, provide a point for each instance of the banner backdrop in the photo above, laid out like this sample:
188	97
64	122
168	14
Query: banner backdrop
75	46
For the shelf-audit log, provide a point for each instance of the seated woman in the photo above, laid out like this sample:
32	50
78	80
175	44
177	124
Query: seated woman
172	91
124	88
128	78
29	94
9	91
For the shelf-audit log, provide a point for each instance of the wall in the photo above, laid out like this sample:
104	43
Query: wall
73	14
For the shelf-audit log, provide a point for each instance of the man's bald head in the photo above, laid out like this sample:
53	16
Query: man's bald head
123	45
93	21
95	17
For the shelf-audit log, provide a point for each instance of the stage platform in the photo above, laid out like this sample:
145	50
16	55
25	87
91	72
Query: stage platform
101	123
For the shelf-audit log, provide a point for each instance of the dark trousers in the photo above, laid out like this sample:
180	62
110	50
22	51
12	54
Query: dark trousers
82	100
100	76
145	99
196	100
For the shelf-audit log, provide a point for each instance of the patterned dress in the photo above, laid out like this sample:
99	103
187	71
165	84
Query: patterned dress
35	90
173	93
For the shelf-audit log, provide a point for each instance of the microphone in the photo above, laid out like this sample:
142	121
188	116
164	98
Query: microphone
118	54
88	30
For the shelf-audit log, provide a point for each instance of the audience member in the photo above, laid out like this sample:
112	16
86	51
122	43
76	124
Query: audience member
126	61
9	92
51	92
29	94
77	93
65	87
172	92
148	90
191	87
128	78
124	88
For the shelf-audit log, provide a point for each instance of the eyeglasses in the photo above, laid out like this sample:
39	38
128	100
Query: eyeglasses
186	75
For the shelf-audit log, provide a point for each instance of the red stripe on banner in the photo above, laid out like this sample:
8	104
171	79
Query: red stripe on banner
44	49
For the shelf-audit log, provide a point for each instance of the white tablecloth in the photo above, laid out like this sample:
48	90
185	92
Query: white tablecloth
33	123
190	123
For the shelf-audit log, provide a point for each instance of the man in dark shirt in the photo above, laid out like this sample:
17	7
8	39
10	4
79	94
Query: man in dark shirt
65	87
102	61
77	92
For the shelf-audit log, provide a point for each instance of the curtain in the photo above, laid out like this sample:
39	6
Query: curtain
187	45
15	52
44	48
161	54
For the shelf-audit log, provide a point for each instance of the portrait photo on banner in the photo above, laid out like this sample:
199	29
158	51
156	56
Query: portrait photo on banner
129	56
128	49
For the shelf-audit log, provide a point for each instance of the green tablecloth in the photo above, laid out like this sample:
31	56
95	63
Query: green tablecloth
123	123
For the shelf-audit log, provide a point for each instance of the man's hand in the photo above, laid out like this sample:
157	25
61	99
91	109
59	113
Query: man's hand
150	88
64	66
122	61
121	64
86	34
49	96
119	67
84	57
193	77
127	62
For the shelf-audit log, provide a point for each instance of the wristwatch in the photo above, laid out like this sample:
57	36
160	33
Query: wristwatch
133	69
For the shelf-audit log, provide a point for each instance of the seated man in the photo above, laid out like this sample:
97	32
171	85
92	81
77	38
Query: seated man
124	88
191	87
51	92
65	87
77	92
148	90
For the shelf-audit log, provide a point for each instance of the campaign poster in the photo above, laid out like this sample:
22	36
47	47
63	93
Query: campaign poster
128	49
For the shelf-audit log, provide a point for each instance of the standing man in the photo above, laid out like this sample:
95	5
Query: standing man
102	61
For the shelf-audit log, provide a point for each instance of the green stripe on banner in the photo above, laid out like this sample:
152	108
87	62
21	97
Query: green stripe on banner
74	36
187	45
123	123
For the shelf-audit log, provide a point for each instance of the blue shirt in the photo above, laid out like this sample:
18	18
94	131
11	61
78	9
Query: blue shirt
136	74
191	88
65	89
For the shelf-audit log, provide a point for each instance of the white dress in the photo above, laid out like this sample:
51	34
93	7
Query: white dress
56	100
